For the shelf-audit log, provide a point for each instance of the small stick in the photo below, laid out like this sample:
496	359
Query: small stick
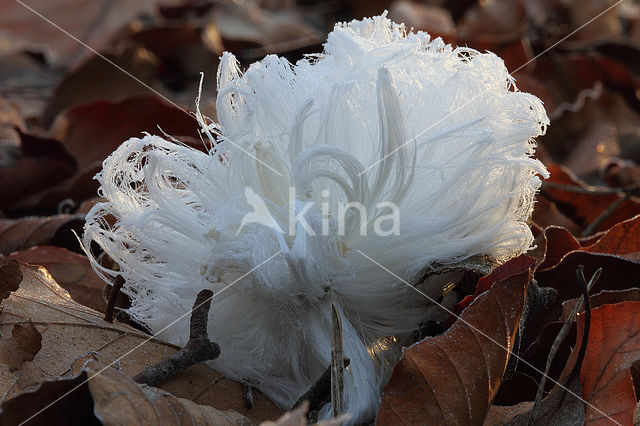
604	215
115	291
198	349
585	288
595	190
337	364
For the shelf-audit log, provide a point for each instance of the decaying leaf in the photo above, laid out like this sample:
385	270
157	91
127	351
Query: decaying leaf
23	345
70	331
10	278
621	240
614	345
70	270
20	234
452	378
586	207
115	400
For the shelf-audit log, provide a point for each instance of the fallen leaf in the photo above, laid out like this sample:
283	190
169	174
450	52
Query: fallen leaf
585	208
96	79
92	22
76	408
23	233
71	271
513	267
275	32
115	399
437	21
70	331
620	240
10	278
74	189
298	417
452	378
546	213
92	131
23	345
39	163
614	345
559	242
604	297
559	408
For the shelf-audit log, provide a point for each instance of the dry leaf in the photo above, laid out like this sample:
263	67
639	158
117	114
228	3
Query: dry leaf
115	399
97	79
453	377
92	131
621	240
70	331
38	163
91	21
20	234
23	345
10	278
613	347
71	271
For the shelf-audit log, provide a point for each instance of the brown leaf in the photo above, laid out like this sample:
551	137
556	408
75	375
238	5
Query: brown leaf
93	22
559	242
546	213
614	345
513	267
71	271
23	345
76	408
76	188
453	377
10	278
39	163
559	408
585	208
20	234
276	32
97	79
92	131
621	240
437	21
604	297
115	399
72	331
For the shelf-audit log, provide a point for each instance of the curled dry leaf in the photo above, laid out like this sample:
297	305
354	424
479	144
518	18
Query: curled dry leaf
114	398
614	345
70	331
453	377
70	270
20	234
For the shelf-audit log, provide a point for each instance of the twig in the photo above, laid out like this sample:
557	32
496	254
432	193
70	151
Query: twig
604	215
563	333
337	364
594	190
198	349
320	392
115	291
